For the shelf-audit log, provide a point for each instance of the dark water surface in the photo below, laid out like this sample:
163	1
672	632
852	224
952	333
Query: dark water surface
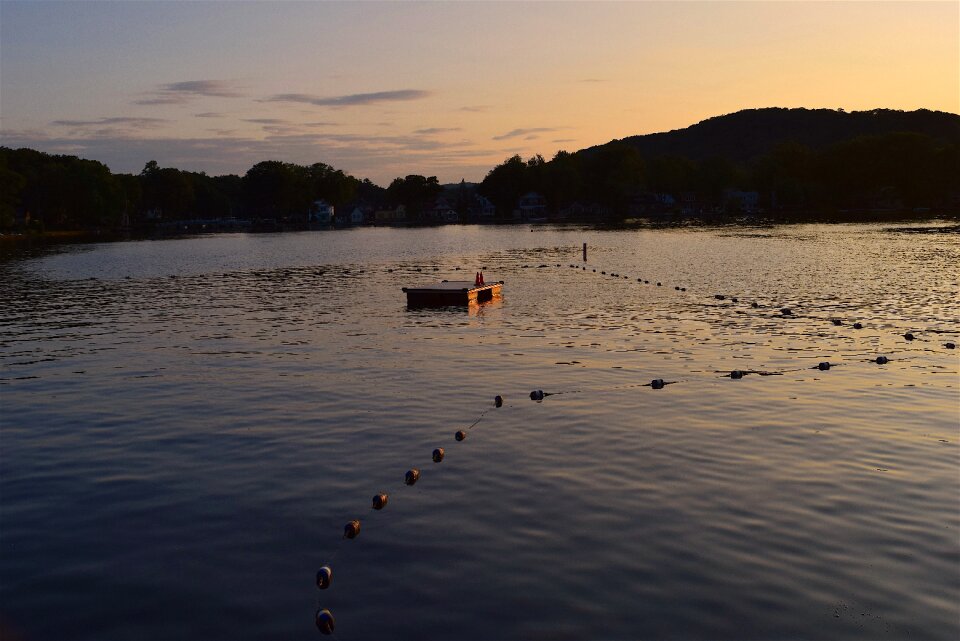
188	424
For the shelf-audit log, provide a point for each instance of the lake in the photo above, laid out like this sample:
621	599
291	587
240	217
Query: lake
188	424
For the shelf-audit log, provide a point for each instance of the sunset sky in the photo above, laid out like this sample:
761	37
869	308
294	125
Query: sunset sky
444	88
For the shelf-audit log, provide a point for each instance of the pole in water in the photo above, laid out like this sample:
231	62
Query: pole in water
351	529
584	252
380	500
325	622
324	577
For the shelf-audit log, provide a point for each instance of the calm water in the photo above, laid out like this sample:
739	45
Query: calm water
188	424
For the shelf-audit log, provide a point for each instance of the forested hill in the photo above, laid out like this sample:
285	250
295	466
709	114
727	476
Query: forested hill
747	134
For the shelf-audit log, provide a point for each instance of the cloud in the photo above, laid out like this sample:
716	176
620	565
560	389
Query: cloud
177	93
378	157
216	88
475	108
122	122
516	133
266	121
437	130
209	114
352	100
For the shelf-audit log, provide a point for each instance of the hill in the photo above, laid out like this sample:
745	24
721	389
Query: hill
750	133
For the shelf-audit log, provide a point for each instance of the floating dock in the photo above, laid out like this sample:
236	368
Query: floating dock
452	292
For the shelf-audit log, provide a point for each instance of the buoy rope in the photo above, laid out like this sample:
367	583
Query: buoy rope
324	619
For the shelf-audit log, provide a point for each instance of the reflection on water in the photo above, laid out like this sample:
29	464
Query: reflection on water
187	425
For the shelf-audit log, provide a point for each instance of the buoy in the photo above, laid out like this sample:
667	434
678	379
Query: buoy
908	336
736	374
604	273
536	395
476	279
734	299
824	366
882	360
646	282
659	284
325	622
683	289
950	345
837	322
351	529
390	271
858	325
460	435
498	401
594	271
786	311
754	305
412	476
380	500
438	455
677	288
719	296
657	383
324	576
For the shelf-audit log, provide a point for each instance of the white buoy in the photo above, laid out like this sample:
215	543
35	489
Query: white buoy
325	622
324	577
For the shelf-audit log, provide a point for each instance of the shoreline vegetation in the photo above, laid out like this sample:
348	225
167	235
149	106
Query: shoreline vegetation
752	167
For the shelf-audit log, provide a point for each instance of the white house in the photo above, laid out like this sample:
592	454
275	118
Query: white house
321	212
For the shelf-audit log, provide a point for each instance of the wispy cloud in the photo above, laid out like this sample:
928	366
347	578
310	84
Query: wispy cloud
516	133
352	100
436	130
266	121
217	88
174	93
118	120
475	108
209	114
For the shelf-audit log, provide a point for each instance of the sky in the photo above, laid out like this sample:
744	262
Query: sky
387	89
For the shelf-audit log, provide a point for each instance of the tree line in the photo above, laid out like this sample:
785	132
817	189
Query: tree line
66	192
885	171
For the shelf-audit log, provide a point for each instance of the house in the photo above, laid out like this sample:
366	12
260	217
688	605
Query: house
485	209
531	205
745	201
390	216
321	212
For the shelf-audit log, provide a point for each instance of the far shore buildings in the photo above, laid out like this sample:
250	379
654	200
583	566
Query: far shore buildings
321	213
